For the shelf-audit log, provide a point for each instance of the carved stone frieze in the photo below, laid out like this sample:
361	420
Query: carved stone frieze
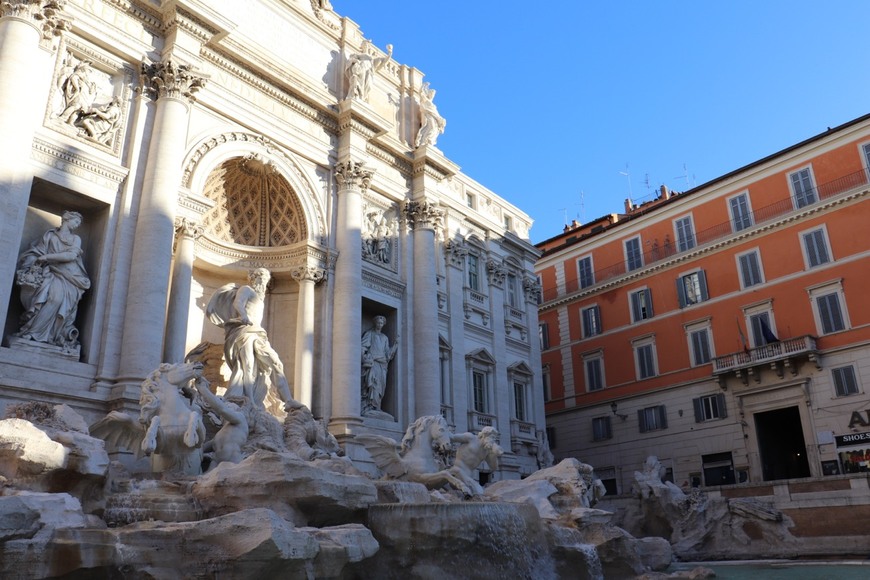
46	15
378	283
496	273
306	272
170	80
423	214
85	167
353	175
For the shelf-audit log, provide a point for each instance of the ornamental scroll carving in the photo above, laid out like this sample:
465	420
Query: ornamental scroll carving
188	228
496	273
456	252
353	175
170	80
532	290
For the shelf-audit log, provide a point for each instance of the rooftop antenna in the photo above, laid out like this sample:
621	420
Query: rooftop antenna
565	214
627	173
646	181
685	176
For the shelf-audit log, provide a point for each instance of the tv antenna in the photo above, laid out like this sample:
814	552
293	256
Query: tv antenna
627	173
685	176
582	208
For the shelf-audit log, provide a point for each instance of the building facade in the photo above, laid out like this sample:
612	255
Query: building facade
198	140
723	329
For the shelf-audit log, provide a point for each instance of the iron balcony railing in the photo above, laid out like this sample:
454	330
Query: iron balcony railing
773	352
664	251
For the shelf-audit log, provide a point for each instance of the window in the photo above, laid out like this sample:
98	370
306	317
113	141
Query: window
473	272
586	276
845	381
718	469
815	245
508	222
699	345
601	429
544	335
641	305
645	358
469	200
685	233
802	187
545	383
593	369
551	437
608	478
692	288
750	269
633	255
445	376
741	216
761	328
652	418
479	381
513	294
591	321
709	408
829	313
520	411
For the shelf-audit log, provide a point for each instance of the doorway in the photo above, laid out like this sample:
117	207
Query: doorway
781	443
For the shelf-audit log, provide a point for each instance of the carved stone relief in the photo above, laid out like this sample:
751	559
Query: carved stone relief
380	236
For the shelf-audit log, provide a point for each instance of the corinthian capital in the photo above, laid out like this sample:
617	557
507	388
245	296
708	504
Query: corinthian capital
353	175
45	15
303	273
423	214
187	228
170	80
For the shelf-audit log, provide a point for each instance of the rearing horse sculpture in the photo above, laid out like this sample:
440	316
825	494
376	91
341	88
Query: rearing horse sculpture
416	459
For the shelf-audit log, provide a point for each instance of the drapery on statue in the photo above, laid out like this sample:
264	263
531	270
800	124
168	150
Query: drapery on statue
247	351
420	456
376	356
100	123
169	428
431	123
52	278
360	71
78	91
472	450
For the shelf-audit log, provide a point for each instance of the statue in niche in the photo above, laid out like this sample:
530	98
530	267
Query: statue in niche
247	351
79	92
376	356
431	123
52	278
360	71
378	246
472	450
100	123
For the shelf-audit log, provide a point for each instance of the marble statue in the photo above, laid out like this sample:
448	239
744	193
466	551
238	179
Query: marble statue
472	450
78	92
376	356
360	71
431	123
308	437
52	278
100	123
419	458
169	429
228	442
377	247
247	351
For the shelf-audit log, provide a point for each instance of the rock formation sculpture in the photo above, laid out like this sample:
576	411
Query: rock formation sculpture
52	278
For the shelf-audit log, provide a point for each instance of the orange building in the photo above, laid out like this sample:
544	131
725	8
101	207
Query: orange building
725	329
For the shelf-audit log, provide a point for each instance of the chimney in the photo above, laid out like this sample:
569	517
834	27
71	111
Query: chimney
628	205
666	194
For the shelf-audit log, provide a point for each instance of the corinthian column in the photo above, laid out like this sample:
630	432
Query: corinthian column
144	321
303	369
353	179
179	293
24	86
423	217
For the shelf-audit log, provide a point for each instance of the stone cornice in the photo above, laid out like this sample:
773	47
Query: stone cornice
173	81
178	17
353	175
389	287
82	166
280	259
142	12
397	162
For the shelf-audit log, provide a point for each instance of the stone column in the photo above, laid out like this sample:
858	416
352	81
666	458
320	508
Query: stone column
174	348
423	217
353	179
24	87
303	369
173	86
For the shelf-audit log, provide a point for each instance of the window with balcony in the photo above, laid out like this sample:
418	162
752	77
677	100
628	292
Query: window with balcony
749	266
633	254
473	269
520	402
590	318
479	381
815	247
593	370
741	215
692	288
761	328
585	274
685	233
645	358
845	381
829	309
802	187
480	365
641	305
709	408
700	348
652	418
601	429
513	290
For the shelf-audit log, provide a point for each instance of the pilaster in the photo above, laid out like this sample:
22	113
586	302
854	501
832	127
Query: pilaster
307	277
186	233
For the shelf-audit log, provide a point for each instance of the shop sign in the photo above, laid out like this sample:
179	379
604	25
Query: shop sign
857	419
852	439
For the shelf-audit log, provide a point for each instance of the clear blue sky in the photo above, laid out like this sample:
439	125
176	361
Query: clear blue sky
546	101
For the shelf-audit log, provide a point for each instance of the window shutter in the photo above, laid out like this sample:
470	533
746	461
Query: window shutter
744	270
663	417
596	319
635	306
702	280
699	410
681	291
641	419
720	402
649	305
